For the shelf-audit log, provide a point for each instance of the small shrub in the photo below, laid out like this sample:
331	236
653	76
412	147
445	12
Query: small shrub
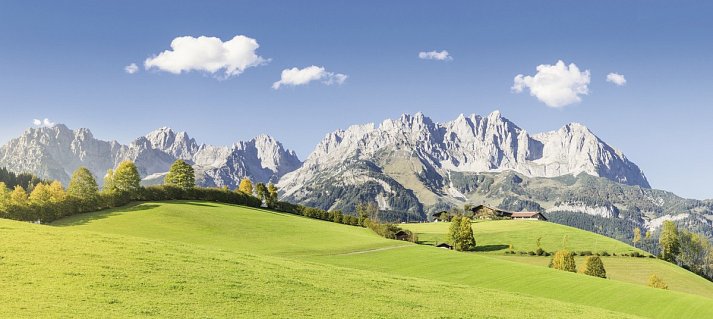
539	252
523	253
563	260
605	253
531	253
657	282
547	254
652	256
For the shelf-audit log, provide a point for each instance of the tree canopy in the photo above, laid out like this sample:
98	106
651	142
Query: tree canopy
460	234
181	175
246	186
668	241
563	260
83	187
126	178
593	266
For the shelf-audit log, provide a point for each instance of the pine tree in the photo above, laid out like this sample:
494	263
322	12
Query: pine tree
126	178
181	175
593	266
668	241
246	186
563	260
83	188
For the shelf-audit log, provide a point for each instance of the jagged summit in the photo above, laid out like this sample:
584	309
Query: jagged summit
421	154
55	152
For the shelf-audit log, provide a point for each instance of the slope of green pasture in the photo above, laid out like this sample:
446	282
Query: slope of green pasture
485	271
637	271
496	236
230	227
233	228
48	272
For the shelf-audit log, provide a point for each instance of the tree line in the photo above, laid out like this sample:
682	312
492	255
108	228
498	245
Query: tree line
45	201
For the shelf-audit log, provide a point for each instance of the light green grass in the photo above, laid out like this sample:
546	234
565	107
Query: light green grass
637	271
496	236
53	273
311	258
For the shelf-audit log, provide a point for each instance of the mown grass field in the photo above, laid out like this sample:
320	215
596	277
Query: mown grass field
491	236
496	236
187	259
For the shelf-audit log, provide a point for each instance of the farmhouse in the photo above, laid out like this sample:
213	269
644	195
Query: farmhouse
444	246
528	216
487	212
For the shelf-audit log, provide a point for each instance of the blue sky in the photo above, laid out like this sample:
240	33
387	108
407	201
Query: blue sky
64	60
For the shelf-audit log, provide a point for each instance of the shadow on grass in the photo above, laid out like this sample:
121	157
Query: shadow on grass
491	247
81	219
198	204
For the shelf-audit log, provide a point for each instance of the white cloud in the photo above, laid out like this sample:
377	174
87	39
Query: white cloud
435	55
208	54
616	78
295	76
131	68
43	123
556	85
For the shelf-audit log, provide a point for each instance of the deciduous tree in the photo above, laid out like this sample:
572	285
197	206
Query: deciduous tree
246	186
181	175
272	195
637	236
563	260
657	282
668	241
126	178
83	188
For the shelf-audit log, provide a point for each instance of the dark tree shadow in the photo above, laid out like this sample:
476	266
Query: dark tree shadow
81	219
491	247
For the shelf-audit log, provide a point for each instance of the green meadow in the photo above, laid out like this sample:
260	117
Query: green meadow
206	260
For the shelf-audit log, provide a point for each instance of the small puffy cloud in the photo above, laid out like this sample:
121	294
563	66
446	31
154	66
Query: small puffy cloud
435	55
131	68
556	85
208	54
295	76
43	123
616	78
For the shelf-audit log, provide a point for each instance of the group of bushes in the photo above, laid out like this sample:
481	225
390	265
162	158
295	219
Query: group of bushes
583	253
564	260
385	230
49	201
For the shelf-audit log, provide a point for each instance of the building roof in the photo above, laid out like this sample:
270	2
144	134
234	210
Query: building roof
527	215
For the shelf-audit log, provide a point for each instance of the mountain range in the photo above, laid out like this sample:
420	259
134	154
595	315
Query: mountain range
410	166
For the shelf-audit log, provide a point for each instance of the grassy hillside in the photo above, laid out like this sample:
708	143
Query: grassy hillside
50	272
493	237
210	260
496	236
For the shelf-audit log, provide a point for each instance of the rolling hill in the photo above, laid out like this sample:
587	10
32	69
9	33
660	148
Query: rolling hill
303	261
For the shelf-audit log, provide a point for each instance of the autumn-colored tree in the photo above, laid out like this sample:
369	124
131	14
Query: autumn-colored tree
181	175
563	260
657	282
246	186
637	236
593	266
